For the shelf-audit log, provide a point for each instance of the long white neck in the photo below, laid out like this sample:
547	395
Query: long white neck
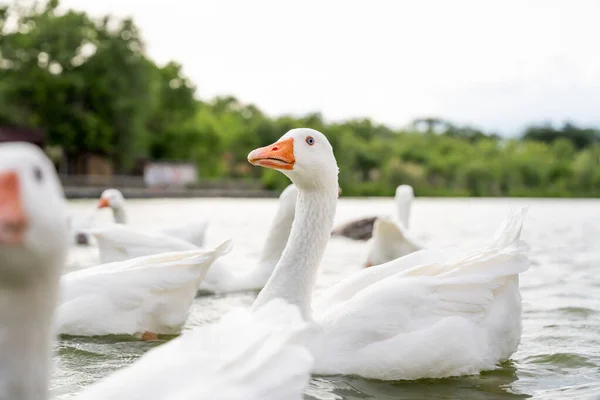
403	202
26	336
296	273
119	214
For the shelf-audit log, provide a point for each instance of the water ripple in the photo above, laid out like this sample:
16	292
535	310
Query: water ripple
563	360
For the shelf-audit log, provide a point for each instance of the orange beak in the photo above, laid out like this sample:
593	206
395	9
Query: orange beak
13	222
103	203
368	265
279	155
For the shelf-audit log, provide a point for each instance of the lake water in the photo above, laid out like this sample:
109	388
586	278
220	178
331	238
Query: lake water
559	355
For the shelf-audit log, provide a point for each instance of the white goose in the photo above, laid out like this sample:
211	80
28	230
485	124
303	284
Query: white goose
193	233
33	248
210	362
145	296
391	238
431	314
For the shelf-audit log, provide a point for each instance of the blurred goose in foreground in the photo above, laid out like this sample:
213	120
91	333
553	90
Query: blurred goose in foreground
211	362
391	238
438	312
362	229
33	248
192	232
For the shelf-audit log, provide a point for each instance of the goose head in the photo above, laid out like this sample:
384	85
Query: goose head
33	218
304	155
405	193
112	198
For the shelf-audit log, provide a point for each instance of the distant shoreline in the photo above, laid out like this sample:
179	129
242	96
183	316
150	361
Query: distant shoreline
73	193
82	193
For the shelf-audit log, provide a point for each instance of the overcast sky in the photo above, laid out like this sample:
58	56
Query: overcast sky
497	64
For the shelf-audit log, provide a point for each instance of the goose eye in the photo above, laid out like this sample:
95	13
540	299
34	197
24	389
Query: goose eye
310	140
38	174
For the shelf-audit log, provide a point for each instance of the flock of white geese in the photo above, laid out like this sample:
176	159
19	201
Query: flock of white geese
414	313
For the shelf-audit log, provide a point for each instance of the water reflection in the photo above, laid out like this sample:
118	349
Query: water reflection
489	385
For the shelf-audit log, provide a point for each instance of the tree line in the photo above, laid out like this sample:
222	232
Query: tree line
90	85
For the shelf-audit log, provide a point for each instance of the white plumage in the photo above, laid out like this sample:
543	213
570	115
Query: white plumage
245	356
119	242
431	314
151	293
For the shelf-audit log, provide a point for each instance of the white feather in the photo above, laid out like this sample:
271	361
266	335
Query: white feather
246	356
150	293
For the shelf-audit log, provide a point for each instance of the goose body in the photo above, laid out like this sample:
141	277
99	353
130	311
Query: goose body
446	312
118	242
147	295
191	232
431	314
213	362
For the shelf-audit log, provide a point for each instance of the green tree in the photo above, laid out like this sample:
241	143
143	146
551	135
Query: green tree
90	85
